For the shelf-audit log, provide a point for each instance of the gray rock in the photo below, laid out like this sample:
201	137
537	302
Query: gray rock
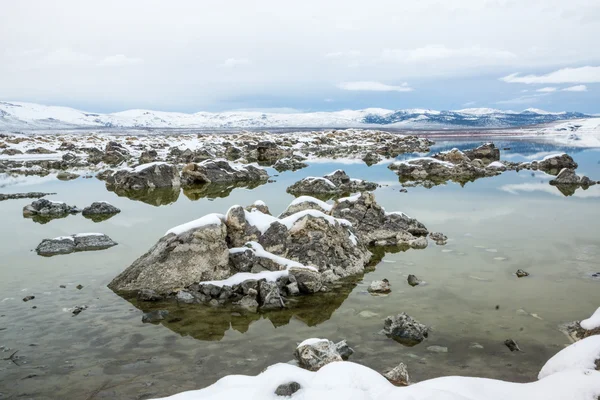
28	298
314	355
439	238
145	176
413	280
185	297
289	164
269	296
521	274
303	203
382	286
177	261
405	329
486	152
154	316
74	243
66	176
99	208
78	309
338	182
376	227
455	156
249	302
398	375
418	243
512	345
344	350
220	171
566	176
308	281
30	195
287	389
115	153
45	207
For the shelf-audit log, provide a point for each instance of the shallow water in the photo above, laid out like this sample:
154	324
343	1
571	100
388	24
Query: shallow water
495	226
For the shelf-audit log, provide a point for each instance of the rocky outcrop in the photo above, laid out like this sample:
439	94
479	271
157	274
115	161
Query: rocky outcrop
487	153
250	258
220	171
145	176
568	177
405	329
437	171
338	182
115	153
551	164
312	354
74	243
48	208
375	226
289	164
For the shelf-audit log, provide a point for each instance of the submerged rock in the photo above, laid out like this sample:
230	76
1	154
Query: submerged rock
28	298
338	182
398	376
74	243
155	316
382	286
220	171
405	329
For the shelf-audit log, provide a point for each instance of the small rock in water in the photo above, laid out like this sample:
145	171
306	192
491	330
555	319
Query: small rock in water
367	314
413	280
344	350
79	287
63	286
382	286
405	329
403	190
437	349
512	345
521	273
154	316
398	375
78	309
316	353
287	389
27	298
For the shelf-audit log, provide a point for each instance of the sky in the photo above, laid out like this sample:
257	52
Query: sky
309	55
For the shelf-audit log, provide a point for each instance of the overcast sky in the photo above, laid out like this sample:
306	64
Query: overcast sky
309	55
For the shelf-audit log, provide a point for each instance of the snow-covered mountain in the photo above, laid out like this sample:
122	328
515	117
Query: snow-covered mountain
18	116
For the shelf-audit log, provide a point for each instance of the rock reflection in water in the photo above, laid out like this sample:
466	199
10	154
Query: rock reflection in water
203	322
214	190
44	219
155	197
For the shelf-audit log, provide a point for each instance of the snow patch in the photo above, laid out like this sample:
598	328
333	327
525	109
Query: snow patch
209	219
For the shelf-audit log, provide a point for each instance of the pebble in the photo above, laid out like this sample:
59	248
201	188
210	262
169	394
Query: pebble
499	258
437	349
27	298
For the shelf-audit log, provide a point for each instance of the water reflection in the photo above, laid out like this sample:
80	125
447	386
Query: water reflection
154	197
44	219
213	190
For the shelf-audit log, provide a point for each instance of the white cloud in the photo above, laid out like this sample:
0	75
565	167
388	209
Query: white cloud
372	86
343	54
440	52
234	62
530	99
547	90
577	88
586	74
119	60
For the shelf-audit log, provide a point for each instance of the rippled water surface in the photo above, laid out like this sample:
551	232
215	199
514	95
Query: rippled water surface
495	225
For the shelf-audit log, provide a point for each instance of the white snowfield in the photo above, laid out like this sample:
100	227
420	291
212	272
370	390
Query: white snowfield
349	381
577	133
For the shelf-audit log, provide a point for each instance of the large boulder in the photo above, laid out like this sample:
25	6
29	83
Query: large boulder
429	168
375	226
455	156
100	208
193	252
220	171
115	153
146	176
74	243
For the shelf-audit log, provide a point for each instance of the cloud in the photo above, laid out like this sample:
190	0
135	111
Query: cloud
234	62
372	86
566	75
119	60
343	54
547	90
577	88
441	52
523	99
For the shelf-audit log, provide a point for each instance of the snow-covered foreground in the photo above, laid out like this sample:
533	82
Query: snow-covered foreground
569	375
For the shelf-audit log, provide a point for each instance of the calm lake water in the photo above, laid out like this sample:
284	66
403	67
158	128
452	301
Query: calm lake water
495	226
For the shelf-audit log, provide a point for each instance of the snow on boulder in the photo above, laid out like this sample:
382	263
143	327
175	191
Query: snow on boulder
220	171
145	176
592	322
337	182
581	355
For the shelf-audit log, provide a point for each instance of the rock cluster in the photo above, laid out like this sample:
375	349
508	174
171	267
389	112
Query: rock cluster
289	164
220	171
336	183
568	177
254	260
145	176
48	208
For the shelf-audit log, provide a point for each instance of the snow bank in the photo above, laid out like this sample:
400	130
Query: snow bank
311	341
209	219
348	381
270	276
496	164
592	322
578	356
310	199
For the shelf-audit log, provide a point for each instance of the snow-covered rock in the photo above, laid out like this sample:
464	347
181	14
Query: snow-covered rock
582	355
48	208
145	176
338	182
220	171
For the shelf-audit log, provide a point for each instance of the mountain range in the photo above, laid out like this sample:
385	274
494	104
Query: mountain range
19	116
